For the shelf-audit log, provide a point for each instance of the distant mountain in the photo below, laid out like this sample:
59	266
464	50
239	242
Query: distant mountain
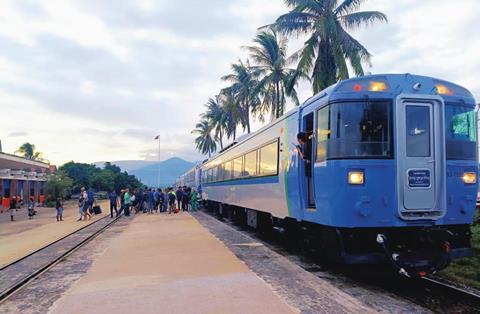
147	171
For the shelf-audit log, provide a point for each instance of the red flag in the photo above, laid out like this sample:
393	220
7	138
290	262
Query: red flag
157	137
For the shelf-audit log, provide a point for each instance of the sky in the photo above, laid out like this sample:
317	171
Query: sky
92	80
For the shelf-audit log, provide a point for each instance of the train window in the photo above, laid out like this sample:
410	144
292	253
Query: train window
220	173
323	133
215	174
250	164
460	132
355	130
227	170
238	167
209	175
269	159
418	131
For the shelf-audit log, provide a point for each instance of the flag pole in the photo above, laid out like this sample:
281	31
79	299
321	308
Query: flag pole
158	178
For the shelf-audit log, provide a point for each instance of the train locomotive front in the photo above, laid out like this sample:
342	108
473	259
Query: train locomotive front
395	171
388	174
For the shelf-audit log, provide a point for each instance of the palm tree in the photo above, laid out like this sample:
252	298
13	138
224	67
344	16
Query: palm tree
205	142
217	117
244	80
27	150
278	81
233	111
329	45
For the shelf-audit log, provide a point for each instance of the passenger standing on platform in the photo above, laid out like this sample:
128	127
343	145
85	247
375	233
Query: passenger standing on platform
150	201
126	199
193	200
86	212
185	199
59	208
161	201
31	207
171	201
90	201
179	195
113	203
156	199
122	202
13	207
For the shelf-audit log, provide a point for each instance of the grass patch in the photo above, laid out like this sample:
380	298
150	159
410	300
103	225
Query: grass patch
466	271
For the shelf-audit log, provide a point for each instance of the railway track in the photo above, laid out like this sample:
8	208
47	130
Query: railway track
428	292
18	274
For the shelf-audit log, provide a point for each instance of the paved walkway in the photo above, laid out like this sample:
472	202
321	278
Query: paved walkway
23	236
169	264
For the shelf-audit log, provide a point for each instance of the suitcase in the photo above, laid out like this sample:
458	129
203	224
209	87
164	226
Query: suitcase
97	210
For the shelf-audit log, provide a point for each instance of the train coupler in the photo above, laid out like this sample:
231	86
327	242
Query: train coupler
420	264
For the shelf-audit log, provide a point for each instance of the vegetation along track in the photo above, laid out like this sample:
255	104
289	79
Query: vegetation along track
431	293
19	273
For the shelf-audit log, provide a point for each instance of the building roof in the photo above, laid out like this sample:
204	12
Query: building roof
9	161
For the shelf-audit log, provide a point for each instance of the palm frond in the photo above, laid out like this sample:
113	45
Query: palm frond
357	19
348	6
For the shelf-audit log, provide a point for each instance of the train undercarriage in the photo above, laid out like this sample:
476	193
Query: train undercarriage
412	251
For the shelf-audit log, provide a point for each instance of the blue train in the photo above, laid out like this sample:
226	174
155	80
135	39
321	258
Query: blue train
375	169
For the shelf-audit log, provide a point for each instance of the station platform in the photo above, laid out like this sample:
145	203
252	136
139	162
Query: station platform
169	264
24	236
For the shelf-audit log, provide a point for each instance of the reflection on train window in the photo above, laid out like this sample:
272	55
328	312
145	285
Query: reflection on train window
250	164
355	130
210	178
417	131
227	170
460	132
323	133
214	174
269	159
237	167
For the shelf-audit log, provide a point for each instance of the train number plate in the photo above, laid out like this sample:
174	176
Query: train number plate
419	178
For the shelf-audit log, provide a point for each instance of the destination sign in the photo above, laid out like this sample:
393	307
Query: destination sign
419	178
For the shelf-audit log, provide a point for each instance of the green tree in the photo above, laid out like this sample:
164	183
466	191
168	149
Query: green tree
81	174
28	150
277	80
326	51
233	112
58	184
103	180
204	141
217	118
107	179
112	167
244	88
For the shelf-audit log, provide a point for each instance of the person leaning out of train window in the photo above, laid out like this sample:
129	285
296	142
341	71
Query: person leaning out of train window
302	148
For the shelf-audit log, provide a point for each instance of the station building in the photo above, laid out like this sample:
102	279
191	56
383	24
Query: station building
22	178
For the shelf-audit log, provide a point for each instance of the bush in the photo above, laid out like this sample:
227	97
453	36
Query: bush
58	185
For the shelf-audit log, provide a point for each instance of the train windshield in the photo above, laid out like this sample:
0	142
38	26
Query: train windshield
355	130
460	132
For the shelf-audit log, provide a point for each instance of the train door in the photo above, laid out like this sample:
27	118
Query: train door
420	148
308	159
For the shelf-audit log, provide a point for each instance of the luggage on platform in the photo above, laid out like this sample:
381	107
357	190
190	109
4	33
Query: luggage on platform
97	210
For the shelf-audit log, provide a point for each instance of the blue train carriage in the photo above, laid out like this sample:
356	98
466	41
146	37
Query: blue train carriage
390	175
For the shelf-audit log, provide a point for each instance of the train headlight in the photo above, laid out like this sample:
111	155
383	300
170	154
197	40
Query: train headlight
469	177
356	177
